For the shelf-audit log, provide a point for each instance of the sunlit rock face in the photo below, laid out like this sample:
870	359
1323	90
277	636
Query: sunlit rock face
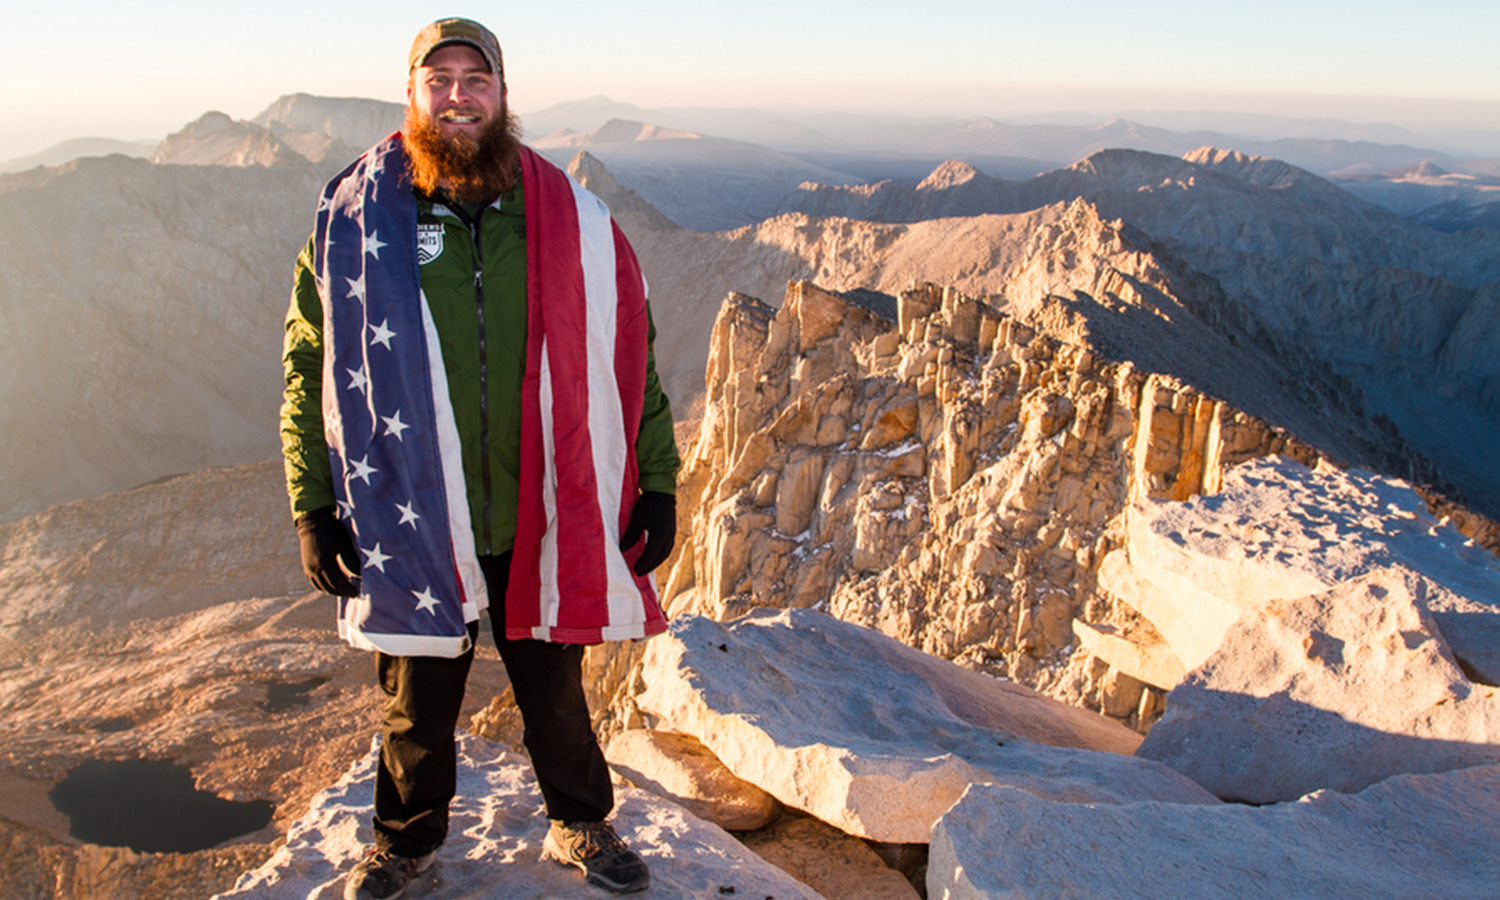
955	475
1335	632
874	737
678	767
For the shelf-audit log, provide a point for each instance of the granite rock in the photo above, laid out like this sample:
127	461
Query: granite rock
1339	689
874	737
1415	837
495	836
679	768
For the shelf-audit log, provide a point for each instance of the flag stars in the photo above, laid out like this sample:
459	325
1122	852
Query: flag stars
394	425
373	243
363	470
356	287
374	558
346	508
426	601
408	515
358	380
382	334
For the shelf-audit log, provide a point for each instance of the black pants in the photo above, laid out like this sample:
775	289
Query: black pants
418	766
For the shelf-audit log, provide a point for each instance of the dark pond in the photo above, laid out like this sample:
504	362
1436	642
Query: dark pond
151	806
285	696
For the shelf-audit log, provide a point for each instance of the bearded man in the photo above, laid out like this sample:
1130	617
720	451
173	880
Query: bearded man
473	421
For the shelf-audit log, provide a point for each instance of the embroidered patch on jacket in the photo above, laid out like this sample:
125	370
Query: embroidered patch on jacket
429	241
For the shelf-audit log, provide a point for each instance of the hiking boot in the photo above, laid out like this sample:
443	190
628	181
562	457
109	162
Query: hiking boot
383	875
598	851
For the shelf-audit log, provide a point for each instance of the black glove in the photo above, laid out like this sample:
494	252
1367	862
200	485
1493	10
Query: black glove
655	514
326	543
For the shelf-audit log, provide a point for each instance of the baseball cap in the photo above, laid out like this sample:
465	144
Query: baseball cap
456	31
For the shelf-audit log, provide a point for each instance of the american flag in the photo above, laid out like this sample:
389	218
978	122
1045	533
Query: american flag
394	443
398	474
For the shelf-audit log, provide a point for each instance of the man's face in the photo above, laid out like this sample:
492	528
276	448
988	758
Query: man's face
455	90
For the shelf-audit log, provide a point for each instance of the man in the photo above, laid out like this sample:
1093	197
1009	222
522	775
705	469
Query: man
473	420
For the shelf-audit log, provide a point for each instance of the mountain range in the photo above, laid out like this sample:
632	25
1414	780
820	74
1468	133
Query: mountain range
147	264
1092	432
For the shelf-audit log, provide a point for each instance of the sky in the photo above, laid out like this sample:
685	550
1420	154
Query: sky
78	68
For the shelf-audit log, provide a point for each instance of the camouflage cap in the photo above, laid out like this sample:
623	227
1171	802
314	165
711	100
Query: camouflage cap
456	31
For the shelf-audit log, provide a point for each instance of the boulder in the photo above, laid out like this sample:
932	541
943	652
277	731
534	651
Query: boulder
679	768
874	737
1339	689
1414	837
494	843
1279	531
828	861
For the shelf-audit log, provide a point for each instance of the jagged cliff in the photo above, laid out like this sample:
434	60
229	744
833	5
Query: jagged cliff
953	475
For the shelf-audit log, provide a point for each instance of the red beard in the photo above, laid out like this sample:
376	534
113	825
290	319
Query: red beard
468	169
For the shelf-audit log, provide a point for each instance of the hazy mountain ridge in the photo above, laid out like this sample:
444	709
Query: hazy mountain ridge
67	151
1319	145
1444	200
358	121
214	139
704	183
149	299
1183	207
1355	284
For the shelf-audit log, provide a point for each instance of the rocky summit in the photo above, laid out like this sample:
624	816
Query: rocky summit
1038	527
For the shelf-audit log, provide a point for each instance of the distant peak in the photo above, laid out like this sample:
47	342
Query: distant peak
1263	171
625	130
949	175
1119	160
209	122
1423	169
1213	156
615	131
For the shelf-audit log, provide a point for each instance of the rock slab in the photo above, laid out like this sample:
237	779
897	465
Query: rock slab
1278	531
1414	837
679	768
874	737
1339	689
494	843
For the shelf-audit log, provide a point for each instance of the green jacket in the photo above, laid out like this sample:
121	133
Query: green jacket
479	308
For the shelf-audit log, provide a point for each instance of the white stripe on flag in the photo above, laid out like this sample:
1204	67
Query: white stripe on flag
606	416
450	455
549	598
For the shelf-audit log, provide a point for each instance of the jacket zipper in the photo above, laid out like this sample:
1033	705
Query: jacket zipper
484	379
